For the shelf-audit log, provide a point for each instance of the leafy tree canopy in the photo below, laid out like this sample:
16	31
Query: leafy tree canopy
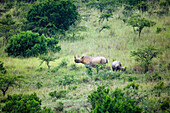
28	44
139	22
50	16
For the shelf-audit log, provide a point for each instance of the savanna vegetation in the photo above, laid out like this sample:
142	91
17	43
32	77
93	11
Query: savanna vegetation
38	42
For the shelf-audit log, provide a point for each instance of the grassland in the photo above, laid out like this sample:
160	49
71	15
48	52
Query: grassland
114	43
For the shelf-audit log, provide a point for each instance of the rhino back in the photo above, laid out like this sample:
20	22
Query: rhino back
116	64
99	60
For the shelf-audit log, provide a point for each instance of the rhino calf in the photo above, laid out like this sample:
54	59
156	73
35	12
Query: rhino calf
116	65
93	61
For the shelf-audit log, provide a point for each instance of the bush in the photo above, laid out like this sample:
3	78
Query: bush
133	84
73	87
59	107
58	94
39	85
46	110
102	101
161	85
158	30
22	103
131	78
73	67
63	63
28	44
138	95
66	80
153	77
165	105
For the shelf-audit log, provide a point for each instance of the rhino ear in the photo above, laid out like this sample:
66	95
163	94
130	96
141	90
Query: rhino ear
74	57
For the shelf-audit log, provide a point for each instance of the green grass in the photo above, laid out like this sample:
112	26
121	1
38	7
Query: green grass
114	43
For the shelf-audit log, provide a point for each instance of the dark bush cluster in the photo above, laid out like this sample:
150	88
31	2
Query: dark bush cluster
58	94
133	84
22	104
102	101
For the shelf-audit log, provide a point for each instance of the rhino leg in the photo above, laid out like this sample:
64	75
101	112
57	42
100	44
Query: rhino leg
113	68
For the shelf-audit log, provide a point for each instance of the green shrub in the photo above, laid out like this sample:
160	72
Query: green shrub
59	107
102	101
153	77
46	110
66	80
138	95
84	79
161	85
131	78
73	67
22	103
133	84
158	30
165	105
58	94
63	63
72	87
28	44
39	85
9	5
55	69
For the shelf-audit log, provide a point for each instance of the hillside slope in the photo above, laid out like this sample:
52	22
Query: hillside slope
114	43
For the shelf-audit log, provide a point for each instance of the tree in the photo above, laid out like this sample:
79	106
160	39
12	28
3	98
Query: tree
8	27
47	59
145	56
7	81
51	16
139	22
28	44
